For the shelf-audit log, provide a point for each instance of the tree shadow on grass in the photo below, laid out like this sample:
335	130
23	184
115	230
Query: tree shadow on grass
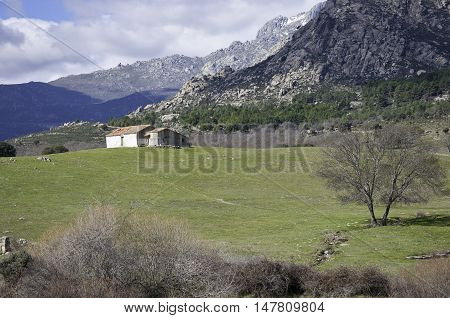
427	220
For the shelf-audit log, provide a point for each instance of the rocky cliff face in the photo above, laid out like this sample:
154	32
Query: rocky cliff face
350	43
165	76
270	38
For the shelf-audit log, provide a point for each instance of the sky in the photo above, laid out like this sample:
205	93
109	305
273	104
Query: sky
42	40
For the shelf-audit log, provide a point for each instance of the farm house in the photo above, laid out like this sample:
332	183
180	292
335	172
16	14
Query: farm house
144	136
133	136
166	137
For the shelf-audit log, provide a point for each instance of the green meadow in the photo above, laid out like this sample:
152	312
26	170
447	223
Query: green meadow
245	201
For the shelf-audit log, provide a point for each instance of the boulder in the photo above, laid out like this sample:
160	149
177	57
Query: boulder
5	245
169	117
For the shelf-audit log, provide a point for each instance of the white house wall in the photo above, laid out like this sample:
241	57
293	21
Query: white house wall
153	140
130	140
113	142
136	140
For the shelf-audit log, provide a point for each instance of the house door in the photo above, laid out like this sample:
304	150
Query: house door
121	141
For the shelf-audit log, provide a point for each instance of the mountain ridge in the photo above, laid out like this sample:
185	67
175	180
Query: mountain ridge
52	106
172	72
350	43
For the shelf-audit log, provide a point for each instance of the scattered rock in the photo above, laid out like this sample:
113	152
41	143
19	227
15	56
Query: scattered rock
21	218
75	123
22	242
420	72
169	117
335	238
5	245
332	242
430	256
420	214
356	104
46	159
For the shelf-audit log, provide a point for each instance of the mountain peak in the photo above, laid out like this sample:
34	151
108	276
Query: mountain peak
347	43
175	70
304	17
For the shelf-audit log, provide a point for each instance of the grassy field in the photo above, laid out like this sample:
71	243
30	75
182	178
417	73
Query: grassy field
251	202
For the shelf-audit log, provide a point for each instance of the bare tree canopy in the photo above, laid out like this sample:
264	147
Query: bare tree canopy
390	165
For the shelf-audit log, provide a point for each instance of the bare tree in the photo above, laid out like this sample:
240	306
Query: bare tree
411	172
352	168
391	165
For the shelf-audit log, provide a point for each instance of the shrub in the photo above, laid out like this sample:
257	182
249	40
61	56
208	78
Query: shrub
265	278
13	265
7	150
206	127
168	261
54	150
349	282
373	283
429	279
103	256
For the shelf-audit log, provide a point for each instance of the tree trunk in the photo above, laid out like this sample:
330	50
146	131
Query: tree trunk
373	221
385	215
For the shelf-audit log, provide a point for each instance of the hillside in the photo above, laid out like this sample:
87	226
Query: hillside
350	43
423	99
282	213
31	107
72	135
162	75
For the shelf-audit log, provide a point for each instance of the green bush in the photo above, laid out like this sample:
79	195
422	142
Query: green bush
54	149
7	150
13	265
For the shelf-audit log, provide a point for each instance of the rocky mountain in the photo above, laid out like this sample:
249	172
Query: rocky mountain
98	96
349	43
167	75
269	39
31	107
162	76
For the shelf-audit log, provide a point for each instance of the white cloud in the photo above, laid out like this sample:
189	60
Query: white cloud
113	31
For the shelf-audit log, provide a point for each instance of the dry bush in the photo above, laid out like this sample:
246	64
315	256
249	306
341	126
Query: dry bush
348	282
102	256
168	261
265	278
429	279
81	262
373	282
